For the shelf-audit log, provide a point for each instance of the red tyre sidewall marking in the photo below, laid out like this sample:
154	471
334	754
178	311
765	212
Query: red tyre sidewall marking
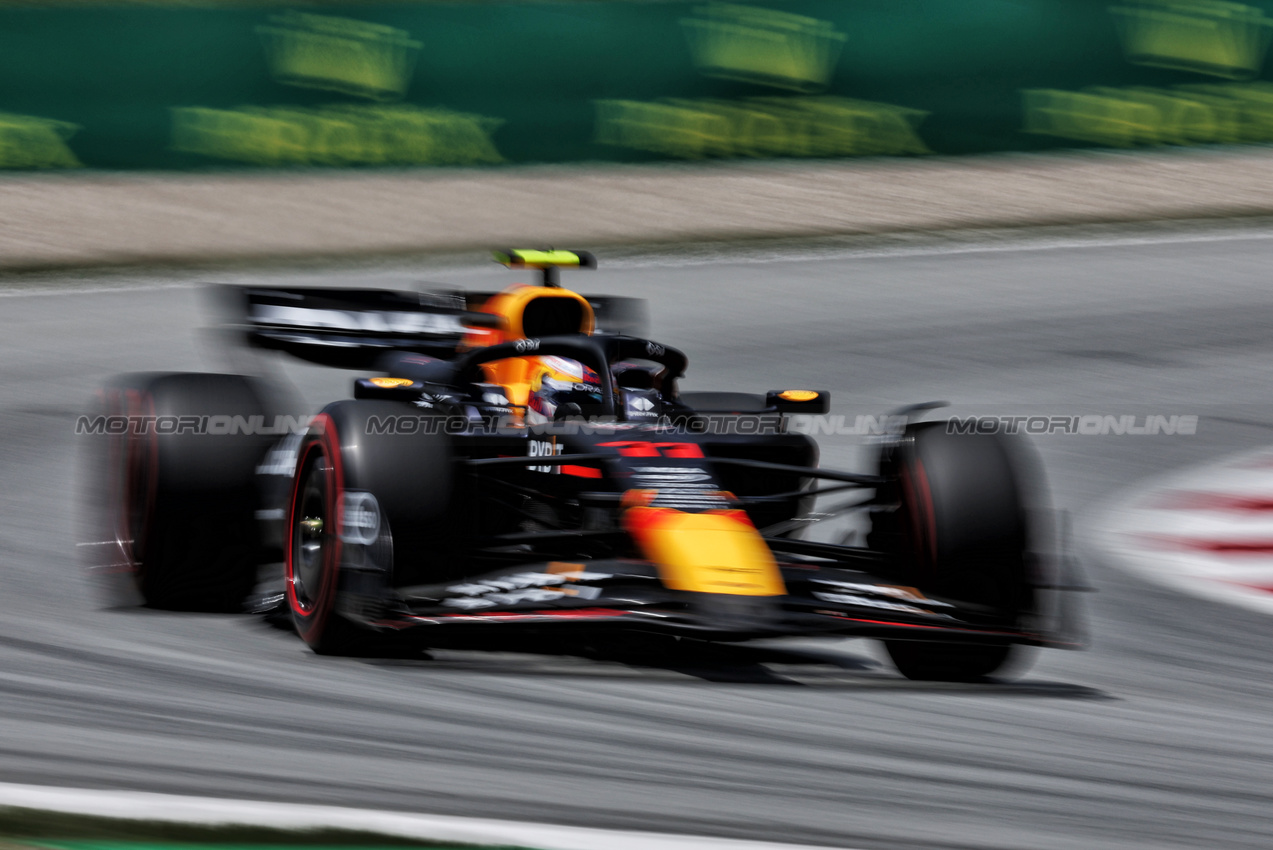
115	495
922	520
310	621
930	514
139	468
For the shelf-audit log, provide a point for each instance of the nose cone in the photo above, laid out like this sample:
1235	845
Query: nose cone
711	552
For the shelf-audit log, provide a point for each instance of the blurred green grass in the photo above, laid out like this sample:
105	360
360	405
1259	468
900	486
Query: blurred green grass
278	4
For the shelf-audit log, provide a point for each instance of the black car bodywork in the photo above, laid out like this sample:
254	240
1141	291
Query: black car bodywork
430	509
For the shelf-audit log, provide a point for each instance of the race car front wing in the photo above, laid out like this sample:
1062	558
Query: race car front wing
630	594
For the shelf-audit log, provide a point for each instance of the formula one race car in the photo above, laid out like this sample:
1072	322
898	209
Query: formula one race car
522	469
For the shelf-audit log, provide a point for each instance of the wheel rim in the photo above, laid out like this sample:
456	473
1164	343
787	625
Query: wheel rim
311	537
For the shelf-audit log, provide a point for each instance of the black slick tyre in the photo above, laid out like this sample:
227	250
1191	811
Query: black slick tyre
959	532
172	493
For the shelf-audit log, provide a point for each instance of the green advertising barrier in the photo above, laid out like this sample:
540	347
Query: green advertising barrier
154	87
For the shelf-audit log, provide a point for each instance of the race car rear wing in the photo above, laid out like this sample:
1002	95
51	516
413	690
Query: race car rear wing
355	328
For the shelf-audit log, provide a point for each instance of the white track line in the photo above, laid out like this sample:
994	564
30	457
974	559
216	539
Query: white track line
171	808
27	290
727	254
1000	244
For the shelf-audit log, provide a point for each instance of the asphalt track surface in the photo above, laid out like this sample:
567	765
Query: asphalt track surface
1160	736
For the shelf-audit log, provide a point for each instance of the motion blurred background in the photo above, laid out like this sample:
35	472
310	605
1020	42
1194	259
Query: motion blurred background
1028	207
194	131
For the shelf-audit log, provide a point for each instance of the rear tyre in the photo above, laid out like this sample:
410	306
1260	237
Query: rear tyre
959	533
172	494
401	485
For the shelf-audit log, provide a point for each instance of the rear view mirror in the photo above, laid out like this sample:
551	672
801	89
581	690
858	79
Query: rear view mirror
799	401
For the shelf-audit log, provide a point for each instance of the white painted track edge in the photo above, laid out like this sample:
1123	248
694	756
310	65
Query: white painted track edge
170	808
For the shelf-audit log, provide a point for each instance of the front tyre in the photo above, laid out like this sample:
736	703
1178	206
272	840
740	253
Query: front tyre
959	532
399	485
940	662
